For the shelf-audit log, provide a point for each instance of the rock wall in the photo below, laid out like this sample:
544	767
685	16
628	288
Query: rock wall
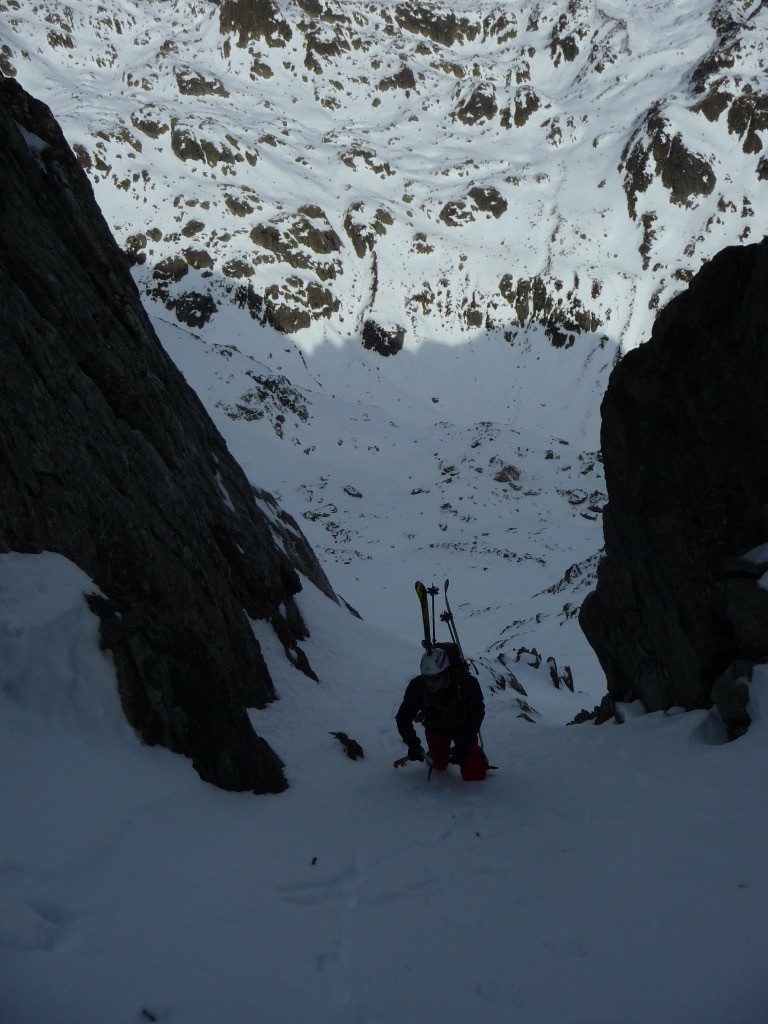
685	448
108	457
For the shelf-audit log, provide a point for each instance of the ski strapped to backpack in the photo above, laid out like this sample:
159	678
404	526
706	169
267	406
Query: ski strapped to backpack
447	618
421	592
452	648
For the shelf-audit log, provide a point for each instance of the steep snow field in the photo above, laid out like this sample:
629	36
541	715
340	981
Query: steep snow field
610	875
390	468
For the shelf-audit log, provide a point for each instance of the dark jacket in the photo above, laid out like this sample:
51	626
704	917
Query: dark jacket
459	708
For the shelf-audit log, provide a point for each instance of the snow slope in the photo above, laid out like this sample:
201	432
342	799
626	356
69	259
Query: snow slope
425	501
612	874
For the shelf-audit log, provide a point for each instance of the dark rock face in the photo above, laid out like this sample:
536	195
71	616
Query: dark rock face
747	117
378	339
685	449
362	226
561	314
730	695
654	152
489	199
527	102
480	105
439	26
108	457
254	20
404	79
747	607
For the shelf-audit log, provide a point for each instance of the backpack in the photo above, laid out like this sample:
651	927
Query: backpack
455	661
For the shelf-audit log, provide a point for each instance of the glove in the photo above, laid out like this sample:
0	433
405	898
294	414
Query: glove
458	755
415	752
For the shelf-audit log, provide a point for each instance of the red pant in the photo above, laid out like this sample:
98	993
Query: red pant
474	767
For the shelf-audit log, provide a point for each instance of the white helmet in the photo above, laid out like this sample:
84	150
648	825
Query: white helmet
434	662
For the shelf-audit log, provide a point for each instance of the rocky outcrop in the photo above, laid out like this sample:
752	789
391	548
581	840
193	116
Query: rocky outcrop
300	239
526	103
363	224
654	151
685	452
387	342
730	695
254	20
292	306
719	86
561	314
109	458
478	105
480	199
438	24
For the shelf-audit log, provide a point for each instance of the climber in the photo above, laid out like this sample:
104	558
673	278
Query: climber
448	701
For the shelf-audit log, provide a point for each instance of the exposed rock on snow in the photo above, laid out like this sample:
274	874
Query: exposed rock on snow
562	314
385	341
685	452
253	20
110	459
655	152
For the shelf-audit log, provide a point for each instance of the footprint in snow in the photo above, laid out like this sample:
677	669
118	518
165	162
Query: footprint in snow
23	928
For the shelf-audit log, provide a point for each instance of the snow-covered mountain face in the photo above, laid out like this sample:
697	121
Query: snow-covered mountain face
396	248
436	169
